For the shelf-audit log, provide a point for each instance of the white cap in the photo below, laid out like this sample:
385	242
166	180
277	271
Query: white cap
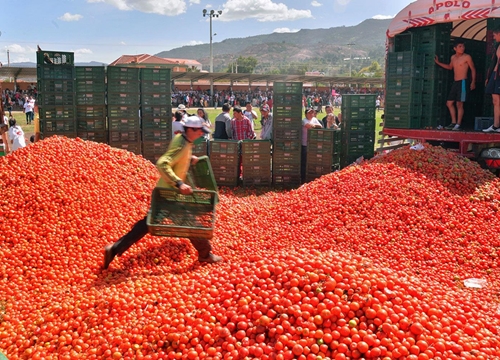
181	107
196	123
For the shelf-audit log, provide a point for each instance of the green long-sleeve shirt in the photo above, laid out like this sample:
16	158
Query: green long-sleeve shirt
174	164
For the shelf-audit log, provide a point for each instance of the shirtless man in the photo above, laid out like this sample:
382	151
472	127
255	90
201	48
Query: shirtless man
493	85
460	63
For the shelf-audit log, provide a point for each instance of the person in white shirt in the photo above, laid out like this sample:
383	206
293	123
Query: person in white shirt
16	135
309	122
178	124
28	110
250	114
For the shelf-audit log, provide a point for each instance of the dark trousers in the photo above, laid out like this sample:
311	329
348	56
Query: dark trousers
140	229
303	164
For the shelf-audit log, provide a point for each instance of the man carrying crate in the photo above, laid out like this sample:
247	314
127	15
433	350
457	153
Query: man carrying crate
173	167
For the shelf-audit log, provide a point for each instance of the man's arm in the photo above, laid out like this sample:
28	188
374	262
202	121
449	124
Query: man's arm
444	66
229	130
473	72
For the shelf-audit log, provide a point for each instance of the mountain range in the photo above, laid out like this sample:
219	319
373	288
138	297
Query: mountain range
325	50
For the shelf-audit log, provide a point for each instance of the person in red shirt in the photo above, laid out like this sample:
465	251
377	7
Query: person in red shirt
241	126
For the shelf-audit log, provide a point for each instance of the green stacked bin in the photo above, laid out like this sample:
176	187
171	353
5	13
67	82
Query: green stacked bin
323	152
123	99
287	133
256	162
358	117
224	157
56	93
91	119
156	113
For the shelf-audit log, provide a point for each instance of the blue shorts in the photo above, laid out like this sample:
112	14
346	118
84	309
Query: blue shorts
458	91
493	86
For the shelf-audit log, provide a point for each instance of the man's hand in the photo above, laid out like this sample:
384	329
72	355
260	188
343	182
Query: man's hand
194	160
185	189
436	59
473	85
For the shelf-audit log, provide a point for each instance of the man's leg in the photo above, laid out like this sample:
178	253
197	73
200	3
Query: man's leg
204	250
460	112
138	231
496	110
453	113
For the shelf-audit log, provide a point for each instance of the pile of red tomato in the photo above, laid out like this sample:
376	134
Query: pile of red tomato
365	263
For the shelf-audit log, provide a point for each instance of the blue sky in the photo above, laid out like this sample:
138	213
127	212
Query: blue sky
103	30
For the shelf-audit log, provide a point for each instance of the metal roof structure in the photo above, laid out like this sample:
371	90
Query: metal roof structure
30	73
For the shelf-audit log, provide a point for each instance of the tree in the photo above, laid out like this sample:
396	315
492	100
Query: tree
374	70
243	65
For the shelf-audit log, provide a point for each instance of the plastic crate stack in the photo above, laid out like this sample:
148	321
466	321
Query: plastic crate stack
123	108
323	152
224	157
156	112
91	120
287	133
358	117
416	87
56	93
200	147
256	162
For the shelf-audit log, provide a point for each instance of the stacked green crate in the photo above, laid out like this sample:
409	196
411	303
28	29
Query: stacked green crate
156	113
256	162
490	46
56	93
225	157
91	120
287	133
358	117
323	152
123	98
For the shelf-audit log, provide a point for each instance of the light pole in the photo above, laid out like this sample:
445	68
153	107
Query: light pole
350	58
211	15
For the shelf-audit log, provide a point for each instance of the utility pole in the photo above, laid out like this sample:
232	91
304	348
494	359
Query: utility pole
211	15
350	57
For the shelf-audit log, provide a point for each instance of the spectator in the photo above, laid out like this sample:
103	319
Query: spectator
330	121
28	110
223	124
202	114
182	109
250	114
178	124
267	123
241	126
8	103
309	122
16	135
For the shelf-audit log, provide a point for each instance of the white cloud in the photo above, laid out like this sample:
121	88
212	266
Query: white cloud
194	42
194	1
162	7
261	10
316	3
83	51
285	30
18	49
123	43
70	17
383	17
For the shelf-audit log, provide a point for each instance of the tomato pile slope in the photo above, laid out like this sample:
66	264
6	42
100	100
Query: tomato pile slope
366	262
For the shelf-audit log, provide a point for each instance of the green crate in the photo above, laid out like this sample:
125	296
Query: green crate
200	149
221	159
91	124
360	113
90	73
133	147
90	86
123	86
357	101
55	99
57	112
227	179
155	99
326	135
286	180
287	111
395	96
131	99
256	170
57	125
229	170
360	137
153	123
287	122
288	99
287	88
202	174
154	147
125	136
318	158
287	134
97	98
156	87
322	146
360	125
124	124
286	145
52	86
284	168
156	135
255	147
282	157
55	58
256	159
223	147
55	72
86	111
257	181
156	75
157	111
95	136
123	73
403	121
123	111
